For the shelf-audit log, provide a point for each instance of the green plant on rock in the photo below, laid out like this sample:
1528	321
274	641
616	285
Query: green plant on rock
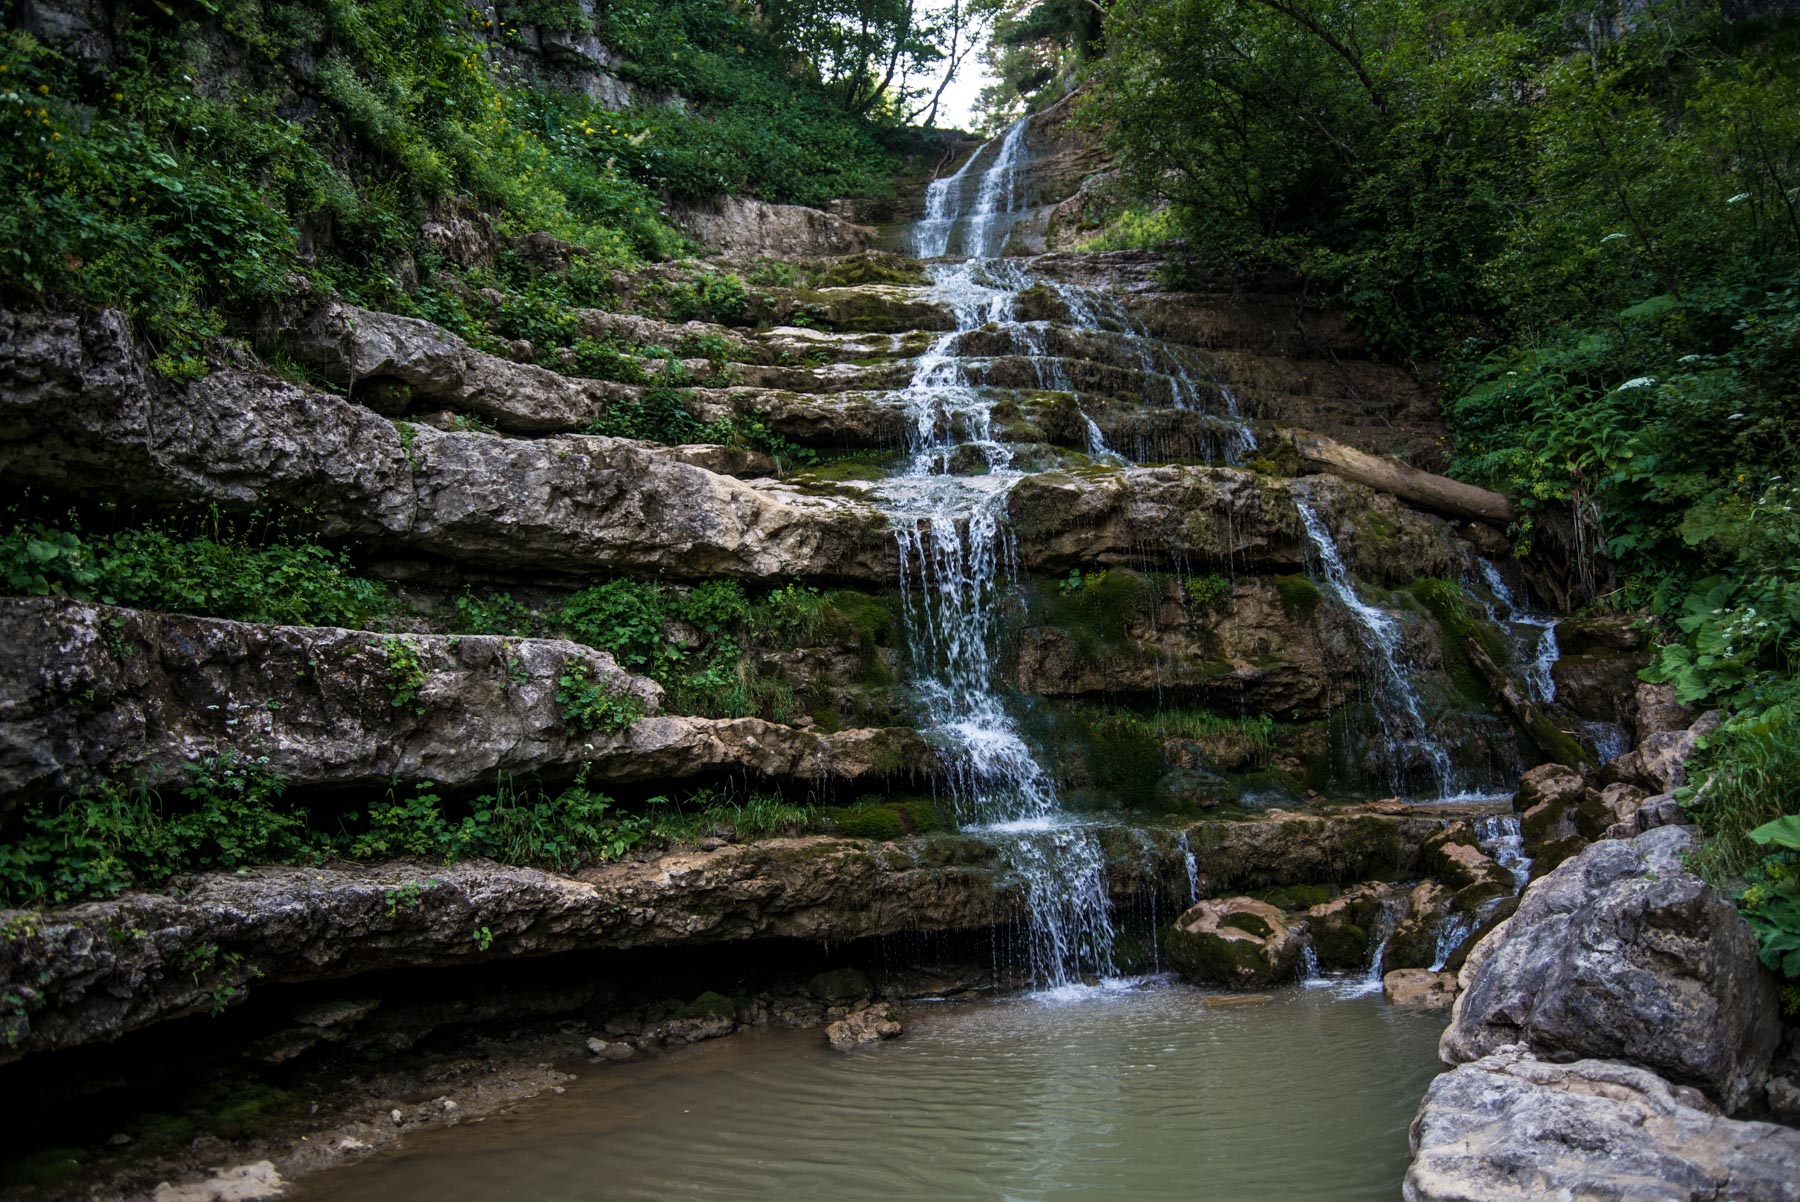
1208	592
1771	900
406	673
594	706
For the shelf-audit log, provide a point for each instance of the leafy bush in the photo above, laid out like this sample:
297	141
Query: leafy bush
1771	901
594	706
115	838
290	580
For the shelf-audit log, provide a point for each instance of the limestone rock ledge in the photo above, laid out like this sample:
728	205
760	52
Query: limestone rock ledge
88	690
1512	1128
99	970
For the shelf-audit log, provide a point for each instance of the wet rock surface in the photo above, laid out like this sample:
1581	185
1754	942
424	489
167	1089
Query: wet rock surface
1621	953
1238	942
864	1026
1511	1126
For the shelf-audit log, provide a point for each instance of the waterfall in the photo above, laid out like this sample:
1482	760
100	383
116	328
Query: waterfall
984	227
1397	703
1499	836
956	568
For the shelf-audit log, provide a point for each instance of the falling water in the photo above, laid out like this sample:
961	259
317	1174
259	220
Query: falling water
956	565
1499	836
1539	649
1397	703
983	225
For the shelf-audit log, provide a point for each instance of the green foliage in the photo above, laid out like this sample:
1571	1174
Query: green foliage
1099	608
513	825
405	672
720	298
115	838
591	705
660	413
172	180
1746	776
1208	592
496	613
227	574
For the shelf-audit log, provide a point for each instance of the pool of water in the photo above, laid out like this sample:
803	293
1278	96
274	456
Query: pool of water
1144	1091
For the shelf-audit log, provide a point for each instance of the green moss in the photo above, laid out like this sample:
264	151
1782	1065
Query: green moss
1124	756
889	820
871	269
708	1005
1457	628
1299	596
1297	897
1098	609
46	1167
1253	923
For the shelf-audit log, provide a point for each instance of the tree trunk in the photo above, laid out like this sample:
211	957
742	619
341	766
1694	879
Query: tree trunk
1424	489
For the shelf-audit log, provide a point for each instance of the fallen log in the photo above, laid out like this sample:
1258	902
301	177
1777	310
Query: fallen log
1424	489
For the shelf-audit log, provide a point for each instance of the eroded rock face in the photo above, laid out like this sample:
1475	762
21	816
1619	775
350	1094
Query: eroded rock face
77	412
1236	941
738	227
88	691
77	983
1548	800
1512	1128
1621	953
352	346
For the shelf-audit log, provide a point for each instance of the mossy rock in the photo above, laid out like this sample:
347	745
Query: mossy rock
956	851
708	1005
1297	897
1341	945
1253	923
1189	790
841	986
1299	596
889	820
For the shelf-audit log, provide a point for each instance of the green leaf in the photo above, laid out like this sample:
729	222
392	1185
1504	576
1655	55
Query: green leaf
1783	832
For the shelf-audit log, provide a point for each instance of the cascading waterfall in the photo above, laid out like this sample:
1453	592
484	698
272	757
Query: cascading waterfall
1397	702
1500	837
977	226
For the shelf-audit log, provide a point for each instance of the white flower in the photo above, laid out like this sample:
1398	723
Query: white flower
1636	382
1738	199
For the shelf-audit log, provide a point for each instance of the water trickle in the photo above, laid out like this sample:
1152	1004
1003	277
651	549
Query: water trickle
1533	635
1500	837
1193	869
1397	702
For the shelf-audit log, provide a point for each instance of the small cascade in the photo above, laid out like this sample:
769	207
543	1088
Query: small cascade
1387	921
1397	703
1499	836
977	225
1309	964
1193	869
1533	635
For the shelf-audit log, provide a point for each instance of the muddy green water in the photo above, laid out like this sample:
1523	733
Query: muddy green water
1139	1094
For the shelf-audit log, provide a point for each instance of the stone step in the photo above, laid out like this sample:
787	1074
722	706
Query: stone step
284	926
94	691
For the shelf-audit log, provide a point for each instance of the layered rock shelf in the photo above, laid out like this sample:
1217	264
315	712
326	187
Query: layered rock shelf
97	971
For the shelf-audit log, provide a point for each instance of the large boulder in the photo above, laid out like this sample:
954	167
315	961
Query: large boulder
1659	763
1339	929
1512	1128
1234	941
1621	953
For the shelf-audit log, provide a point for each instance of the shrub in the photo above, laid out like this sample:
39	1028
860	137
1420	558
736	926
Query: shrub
594	706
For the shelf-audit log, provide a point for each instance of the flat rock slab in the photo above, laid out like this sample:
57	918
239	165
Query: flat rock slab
100	970
88	691
1511	1128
